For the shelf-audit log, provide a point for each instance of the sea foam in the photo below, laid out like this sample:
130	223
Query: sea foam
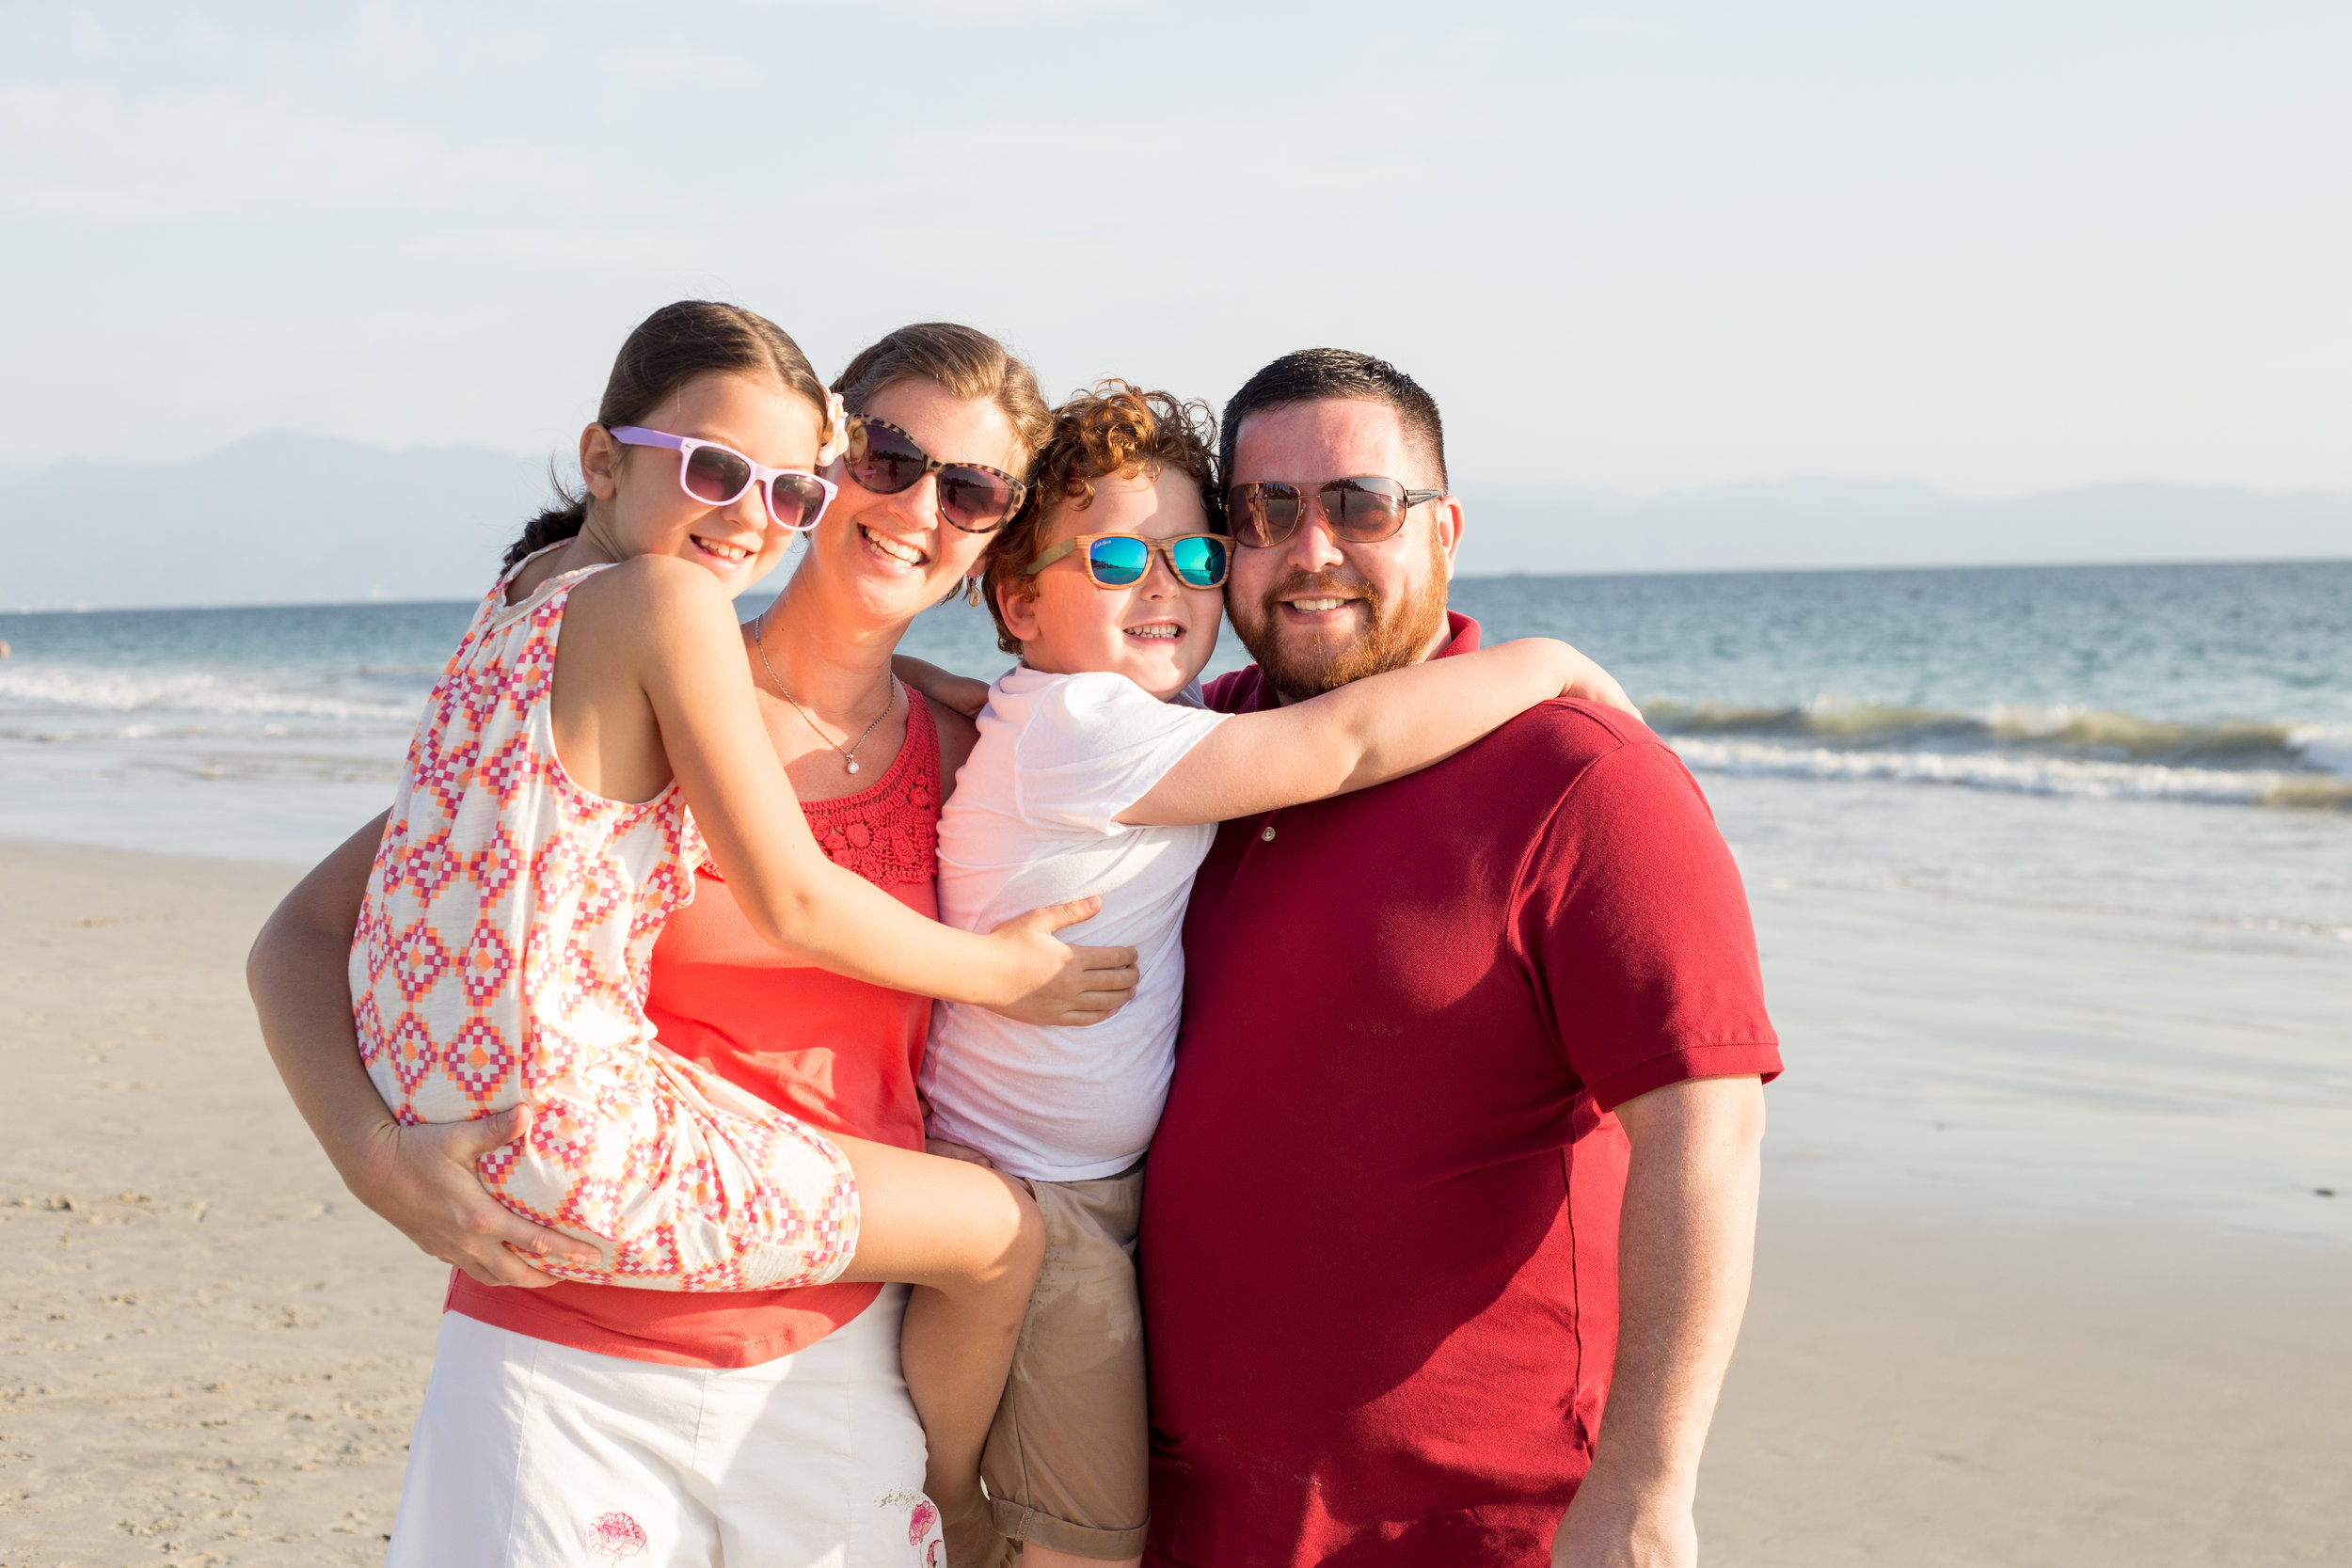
229	694
2023	774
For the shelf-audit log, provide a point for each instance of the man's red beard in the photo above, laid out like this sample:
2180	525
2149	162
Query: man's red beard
1303	667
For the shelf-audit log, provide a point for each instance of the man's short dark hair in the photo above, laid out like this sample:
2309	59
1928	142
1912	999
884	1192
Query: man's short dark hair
1314	374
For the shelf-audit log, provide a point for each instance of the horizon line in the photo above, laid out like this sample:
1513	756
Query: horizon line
753	595
11	473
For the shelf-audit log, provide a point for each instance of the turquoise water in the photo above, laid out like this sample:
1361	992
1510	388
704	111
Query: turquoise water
2052	868
2219	683
2204	690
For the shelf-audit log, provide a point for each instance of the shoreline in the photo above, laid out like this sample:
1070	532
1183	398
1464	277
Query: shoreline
210	1350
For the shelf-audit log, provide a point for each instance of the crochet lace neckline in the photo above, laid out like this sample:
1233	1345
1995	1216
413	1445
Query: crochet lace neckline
887	832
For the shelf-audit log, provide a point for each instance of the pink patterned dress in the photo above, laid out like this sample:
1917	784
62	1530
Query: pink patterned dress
502	957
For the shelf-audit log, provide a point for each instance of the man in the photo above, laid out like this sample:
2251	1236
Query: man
1466	1108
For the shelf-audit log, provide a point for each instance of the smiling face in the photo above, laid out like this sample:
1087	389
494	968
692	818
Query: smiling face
890	557
1156	632
1317	612
639	508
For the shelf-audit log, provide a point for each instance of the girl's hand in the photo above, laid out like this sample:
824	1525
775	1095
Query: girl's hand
422	1178
960	692
1051	982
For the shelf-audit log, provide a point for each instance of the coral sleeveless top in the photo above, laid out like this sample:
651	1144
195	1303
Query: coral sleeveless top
838	1053
503	954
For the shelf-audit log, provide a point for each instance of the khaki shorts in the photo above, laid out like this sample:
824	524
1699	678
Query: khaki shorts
1065	1463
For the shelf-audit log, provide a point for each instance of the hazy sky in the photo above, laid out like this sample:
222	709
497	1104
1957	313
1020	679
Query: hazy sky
2000	246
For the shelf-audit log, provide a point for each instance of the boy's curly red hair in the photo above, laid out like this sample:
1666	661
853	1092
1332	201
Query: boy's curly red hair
1115	429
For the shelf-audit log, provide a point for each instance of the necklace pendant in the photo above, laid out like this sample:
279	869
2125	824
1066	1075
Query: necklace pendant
853	765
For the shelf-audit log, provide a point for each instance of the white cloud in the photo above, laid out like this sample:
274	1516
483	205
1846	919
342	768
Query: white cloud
582	250
253	334
92	151
969	10
1652	241
646	65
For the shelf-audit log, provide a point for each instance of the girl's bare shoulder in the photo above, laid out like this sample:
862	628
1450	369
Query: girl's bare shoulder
653	596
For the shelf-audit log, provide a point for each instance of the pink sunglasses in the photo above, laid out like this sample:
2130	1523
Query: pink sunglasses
718	476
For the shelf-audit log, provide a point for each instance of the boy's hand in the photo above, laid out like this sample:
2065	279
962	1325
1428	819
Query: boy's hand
960	692
947	1150
1591	683
1060	983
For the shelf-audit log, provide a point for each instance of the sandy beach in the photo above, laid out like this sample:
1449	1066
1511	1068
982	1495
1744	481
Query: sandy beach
212	1354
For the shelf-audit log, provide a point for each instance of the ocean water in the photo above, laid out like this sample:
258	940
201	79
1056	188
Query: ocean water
266	732
2052	866
2174	739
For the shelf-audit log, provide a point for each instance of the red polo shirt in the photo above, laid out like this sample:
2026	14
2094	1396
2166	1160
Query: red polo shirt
1380	1229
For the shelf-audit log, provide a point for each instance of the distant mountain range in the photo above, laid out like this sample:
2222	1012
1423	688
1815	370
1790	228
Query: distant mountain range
284	518
273	519
1816	523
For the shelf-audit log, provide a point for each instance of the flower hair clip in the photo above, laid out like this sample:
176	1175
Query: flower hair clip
836	429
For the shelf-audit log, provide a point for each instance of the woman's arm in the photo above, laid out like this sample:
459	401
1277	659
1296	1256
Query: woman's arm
687	655
962	693
957	735
420	1178
1366	732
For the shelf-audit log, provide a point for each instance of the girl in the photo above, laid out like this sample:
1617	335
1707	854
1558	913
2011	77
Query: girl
592	741
1097	774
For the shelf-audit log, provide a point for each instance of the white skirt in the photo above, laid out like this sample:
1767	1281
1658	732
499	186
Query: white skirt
529	1455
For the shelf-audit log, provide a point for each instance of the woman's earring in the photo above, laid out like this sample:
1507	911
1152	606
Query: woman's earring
972	590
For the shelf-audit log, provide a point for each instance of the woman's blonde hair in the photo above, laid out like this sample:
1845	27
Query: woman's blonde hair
961	360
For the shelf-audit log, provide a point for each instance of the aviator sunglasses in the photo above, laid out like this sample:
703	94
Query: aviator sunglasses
1360	511
1120	559
884	459
718	476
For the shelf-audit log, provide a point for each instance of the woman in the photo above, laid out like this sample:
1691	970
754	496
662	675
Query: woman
800	1388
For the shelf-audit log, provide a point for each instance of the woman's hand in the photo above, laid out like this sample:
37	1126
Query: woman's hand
422	1178
1053	983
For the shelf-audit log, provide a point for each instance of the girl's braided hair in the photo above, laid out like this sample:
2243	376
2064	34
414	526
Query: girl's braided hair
667	350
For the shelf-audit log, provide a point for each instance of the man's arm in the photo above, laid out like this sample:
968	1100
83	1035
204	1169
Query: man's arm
1684	1251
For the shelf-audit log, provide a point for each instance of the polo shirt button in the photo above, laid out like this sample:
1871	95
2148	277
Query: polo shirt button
1268	835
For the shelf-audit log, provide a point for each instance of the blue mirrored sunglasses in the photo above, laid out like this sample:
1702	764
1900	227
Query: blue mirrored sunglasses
1120	559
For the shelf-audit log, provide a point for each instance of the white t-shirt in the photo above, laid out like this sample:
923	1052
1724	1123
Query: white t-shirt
1033	821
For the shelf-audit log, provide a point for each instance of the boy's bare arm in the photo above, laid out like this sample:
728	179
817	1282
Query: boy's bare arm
1366	732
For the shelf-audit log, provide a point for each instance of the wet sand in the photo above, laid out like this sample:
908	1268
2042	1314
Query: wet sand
208	1352
211	1353
2033	1395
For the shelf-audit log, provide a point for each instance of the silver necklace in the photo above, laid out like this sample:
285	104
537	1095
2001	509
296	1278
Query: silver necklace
849	753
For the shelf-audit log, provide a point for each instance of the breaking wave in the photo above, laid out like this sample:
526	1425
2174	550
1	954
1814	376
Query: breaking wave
2079	752
239	698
